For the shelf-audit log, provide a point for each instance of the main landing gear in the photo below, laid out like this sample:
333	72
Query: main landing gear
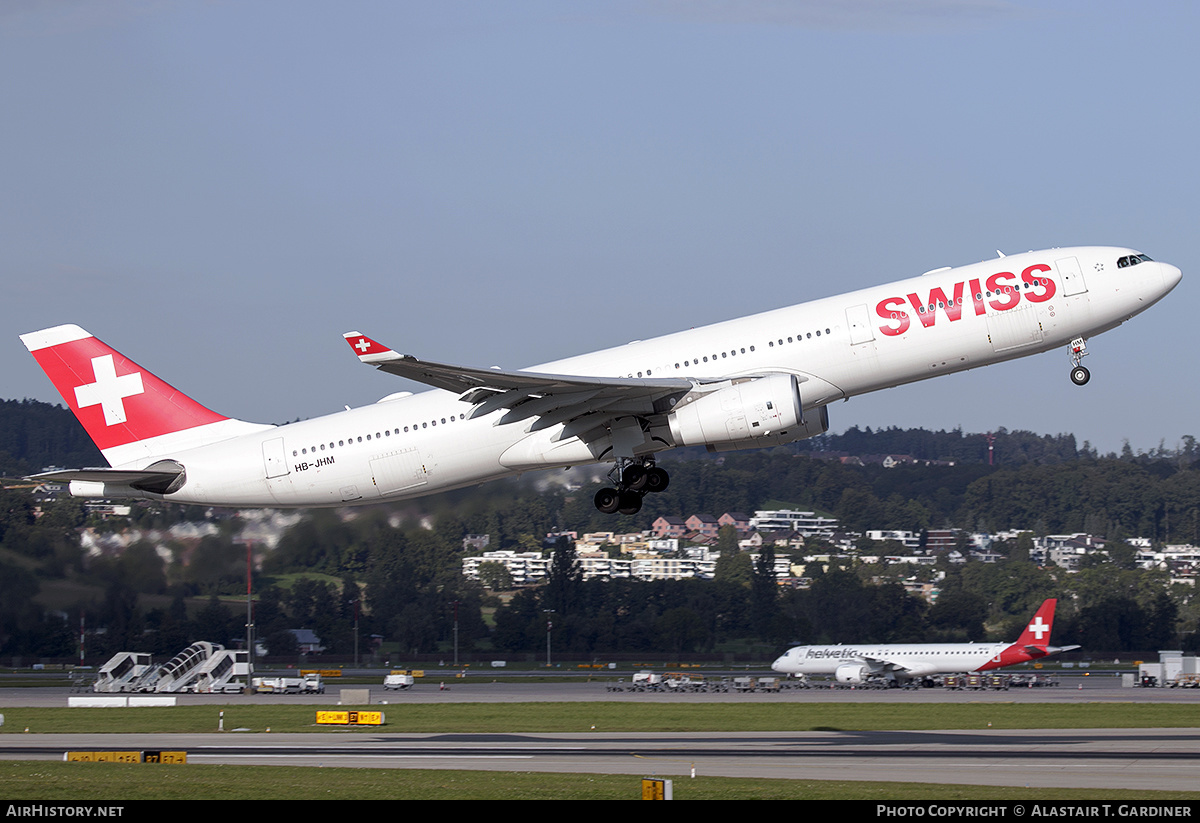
637	479
1079	374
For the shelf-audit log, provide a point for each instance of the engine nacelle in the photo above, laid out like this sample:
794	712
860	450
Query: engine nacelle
765	411
854	674
814	422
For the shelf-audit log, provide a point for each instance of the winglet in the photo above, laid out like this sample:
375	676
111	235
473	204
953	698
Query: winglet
368	350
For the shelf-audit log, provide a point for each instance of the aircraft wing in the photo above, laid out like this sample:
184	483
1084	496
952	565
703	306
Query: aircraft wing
910	668
880	664
553	398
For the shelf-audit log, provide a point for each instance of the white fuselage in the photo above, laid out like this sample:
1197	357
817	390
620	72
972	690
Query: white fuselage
914	659
837	347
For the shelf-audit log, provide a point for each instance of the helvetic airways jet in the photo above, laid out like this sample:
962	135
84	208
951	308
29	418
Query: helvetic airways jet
913	661
755	381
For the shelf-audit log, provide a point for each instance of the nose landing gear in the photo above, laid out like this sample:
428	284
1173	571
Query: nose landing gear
1079	374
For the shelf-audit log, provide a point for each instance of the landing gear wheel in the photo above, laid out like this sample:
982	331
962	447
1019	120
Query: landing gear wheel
634	477
657	480
631	482
1080	375
631	502
608	501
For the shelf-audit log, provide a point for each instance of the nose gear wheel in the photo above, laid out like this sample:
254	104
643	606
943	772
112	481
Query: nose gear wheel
1078	350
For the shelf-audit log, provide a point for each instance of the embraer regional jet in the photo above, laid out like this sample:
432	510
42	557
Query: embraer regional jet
755	381
856	665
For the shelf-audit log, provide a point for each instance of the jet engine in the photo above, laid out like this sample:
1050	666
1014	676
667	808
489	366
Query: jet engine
853	673
763	411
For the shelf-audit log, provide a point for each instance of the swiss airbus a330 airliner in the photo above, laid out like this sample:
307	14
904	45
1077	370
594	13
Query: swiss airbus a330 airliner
756	381
896	663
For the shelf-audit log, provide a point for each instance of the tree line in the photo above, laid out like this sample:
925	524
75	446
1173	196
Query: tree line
398	569
400	581
1104	608
35	435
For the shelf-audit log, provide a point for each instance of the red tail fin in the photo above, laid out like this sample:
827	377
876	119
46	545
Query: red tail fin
1037	632
117	401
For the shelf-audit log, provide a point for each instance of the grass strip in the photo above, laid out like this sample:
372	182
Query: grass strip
57	781
608	717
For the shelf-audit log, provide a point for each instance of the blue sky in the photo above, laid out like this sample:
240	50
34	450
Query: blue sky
220	189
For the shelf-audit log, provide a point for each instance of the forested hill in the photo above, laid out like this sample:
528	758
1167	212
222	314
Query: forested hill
34	435
955	445
1009	447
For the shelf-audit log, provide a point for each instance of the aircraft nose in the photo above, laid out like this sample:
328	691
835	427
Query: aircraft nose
1171	275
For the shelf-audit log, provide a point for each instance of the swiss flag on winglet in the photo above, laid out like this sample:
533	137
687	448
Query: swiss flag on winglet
364	345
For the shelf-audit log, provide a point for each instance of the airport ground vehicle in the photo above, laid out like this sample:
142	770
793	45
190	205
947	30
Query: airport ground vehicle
306	684
202	667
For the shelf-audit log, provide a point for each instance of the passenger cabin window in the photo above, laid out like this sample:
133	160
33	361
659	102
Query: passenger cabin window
1132	260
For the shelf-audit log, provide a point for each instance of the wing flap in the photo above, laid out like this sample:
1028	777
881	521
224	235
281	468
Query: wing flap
911	668
545	405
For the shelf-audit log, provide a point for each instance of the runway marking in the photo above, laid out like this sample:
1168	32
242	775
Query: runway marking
373	756
689	761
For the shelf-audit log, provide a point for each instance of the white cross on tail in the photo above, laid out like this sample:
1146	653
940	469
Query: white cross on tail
109	391
1038	628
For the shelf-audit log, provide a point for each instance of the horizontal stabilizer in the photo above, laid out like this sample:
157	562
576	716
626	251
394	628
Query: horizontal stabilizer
1046	651
163	477
1061	649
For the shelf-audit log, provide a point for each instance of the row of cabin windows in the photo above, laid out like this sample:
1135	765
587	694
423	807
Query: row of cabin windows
378	435
734	352
801	337
980	295
715	357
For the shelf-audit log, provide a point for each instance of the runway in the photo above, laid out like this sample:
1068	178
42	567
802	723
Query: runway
1156	759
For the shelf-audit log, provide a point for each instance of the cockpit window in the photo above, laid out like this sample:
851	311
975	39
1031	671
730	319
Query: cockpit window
1132	260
